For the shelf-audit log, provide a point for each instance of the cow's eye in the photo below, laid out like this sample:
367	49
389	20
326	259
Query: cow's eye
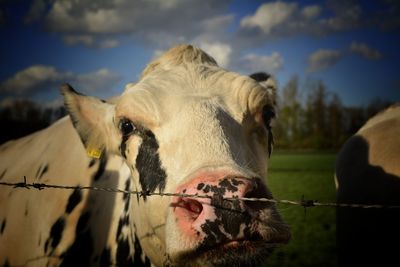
126	127
268	114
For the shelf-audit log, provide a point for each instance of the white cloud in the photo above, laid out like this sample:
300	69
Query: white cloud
53	104
157	53
347	15
40	78
108	43
365	51
63	17
280	19
217	23
256	63
144	20
32	79
99	81
166	4
311	12
90	41
323	59
219	51
269	16
84	39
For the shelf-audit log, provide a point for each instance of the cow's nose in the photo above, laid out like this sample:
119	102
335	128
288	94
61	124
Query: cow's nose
221	214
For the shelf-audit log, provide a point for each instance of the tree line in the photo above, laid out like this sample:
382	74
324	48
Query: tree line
315	118
22	117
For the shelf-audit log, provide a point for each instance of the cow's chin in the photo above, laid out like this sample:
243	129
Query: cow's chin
232	253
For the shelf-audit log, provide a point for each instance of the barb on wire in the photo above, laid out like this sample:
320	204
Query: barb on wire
303	202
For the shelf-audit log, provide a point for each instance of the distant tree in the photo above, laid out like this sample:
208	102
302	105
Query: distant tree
23	117
335	122
290	115
320	121
316	116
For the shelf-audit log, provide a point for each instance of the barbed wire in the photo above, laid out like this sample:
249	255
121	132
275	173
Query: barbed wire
303	202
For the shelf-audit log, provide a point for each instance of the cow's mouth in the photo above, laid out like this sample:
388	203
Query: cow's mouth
243	252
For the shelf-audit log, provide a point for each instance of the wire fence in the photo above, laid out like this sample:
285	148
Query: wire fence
303	202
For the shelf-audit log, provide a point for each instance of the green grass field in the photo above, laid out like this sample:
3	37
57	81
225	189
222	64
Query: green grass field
292	175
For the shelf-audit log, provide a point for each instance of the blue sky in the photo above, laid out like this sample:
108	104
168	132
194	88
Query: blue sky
99	46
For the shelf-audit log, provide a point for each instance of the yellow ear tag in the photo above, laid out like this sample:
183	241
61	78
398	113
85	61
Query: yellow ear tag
94	153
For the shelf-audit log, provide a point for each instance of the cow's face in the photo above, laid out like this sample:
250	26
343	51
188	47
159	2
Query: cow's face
191	129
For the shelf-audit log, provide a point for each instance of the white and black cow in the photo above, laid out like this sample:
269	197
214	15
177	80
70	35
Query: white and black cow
187	126
368	172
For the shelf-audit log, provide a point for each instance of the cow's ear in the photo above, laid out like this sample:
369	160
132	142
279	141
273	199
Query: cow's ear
268	82
93	120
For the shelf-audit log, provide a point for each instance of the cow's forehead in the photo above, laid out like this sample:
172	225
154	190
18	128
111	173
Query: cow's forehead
167	91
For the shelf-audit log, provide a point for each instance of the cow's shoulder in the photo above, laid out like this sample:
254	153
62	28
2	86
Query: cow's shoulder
58	225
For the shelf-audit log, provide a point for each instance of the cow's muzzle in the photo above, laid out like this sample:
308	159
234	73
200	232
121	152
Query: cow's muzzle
223	217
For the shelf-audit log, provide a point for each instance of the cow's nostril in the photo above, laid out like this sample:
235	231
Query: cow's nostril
191	205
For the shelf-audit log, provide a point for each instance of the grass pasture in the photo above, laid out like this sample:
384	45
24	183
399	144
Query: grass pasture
292	175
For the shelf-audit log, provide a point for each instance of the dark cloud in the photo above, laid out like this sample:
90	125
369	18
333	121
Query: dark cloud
323	59
255	63
41	79
365	51
282	19
149	21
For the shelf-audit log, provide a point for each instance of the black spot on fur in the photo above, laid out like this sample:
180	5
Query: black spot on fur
230	214
101	169
230	217
45	169
127	197
92	162
3	226
124	257
122	146
80	252
105	258
148	164
6	263
38	171
41	171
127	188
82	223
230	184
123	221
73	201
3	173
137	256
200	186
270	140
26	210
55	234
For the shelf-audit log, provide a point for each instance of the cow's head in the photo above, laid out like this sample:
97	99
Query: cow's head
191	127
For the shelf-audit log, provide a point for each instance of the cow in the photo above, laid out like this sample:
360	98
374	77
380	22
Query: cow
187	127
368	173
